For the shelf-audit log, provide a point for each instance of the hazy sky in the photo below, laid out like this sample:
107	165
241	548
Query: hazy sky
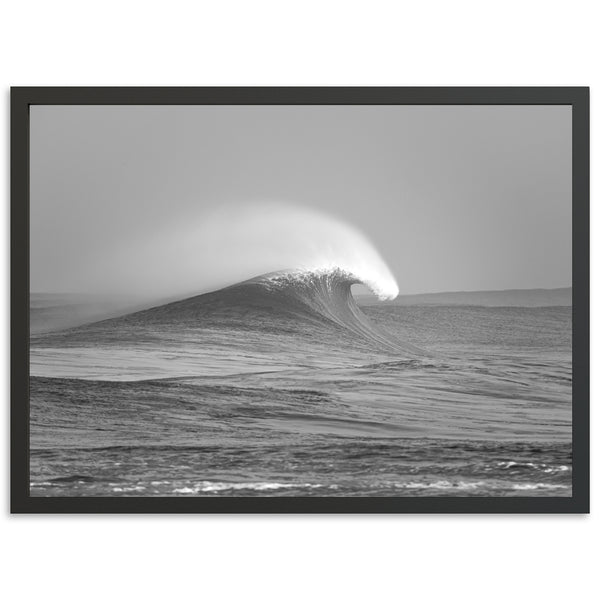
452	197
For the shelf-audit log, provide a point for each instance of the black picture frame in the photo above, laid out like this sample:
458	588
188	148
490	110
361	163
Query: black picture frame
24	97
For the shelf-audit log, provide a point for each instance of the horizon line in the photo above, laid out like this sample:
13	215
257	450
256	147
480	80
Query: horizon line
478	291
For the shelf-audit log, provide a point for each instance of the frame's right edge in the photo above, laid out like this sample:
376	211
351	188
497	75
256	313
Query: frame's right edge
581	299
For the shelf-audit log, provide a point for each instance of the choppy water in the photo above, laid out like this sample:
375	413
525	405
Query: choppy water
246	392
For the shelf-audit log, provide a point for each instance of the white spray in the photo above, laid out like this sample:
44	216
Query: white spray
238	242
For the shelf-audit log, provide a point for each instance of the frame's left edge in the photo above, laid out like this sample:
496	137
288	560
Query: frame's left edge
19	301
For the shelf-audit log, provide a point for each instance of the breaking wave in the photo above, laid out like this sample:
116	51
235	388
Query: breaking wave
290	301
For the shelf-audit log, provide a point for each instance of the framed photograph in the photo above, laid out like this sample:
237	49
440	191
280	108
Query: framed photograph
283	300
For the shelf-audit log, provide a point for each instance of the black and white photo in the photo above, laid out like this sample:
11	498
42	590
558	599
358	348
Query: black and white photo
300	300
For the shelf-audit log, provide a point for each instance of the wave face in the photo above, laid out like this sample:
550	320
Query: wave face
328	294
296	302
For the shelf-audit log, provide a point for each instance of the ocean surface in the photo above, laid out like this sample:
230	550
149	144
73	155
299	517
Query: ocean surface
283	385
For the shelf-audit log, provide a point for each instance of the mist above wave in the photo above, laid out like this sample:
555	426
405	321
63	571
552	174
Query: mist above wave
235	243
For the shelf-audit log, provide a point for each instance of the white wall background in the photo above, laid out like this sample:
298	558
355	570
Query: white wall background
298	43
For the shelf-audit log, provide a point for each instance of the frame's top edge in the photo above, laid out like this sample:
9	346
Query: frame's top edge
301	87
300	95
